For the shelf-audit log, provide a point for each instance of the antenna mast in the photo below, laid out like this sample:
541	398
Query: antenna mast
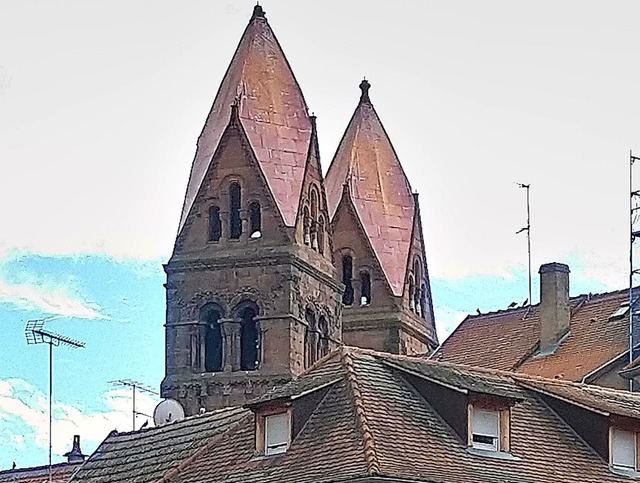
35	334
140	387
634	234
528	230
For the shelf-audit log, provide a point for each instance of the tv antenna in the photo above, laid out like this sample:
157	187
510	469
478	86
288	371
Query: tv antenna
139	386
634	270
528	230
36	334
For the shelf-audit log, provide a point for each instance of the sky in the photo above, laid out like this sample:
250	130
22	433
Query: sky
101	104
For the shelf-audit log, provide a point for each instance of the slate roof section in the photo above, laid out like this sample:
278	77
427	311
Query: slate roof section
371	422
272	111
151	454
367	162
509	339
60	473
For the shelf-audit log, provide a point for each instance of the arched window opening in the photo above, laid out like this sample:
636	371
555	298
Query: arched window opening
323	343
249	339
235	200
347	274
310	337
314	204
365	288
321	235
210	316
307	352
417	274
306	226
255	220
411	294
215	224
314	219
423	301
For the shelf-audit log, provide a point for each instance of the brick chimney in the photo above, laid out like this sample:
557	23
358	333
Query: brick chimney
75	455
555	312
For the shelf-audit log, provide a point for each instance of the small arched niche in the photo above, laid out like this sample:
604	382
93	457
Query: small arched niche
255	220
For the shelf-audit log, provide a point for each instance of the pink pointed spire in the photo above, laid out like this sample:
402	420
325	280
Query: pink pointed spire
272	111
367	164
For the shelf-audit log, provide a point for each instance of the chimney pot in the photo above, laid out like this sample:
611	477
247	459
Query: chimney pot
555	313
75	455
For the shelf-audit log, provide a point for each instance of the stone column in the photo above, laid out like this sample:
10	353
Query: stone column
230	345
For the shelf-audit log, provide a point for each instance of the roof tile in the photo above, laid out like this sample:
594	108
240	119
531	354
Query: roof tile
508	339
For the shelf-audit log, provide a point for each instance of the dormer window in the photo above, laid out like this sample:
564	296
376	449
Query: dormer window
623	450
489	425
273	430
485	429
276	433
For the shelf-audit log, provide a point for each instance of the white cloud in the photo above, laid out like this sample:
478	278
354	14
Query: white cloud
55	300
26	405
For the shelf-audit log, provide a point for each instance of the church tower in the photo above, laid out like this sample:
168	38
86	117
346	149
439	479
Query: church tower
253	297
378	244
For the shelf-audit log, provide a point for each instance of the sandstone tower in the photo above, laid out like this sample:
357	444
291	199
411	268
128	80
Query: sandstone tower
377	236
265	259
252	294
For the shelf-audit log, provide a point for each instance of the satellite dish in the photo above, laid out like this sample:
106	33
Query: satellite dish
168	411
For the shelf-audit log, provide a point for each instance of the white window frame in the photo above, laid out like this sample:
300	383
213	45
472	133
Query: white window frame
617	435
281	444
476	414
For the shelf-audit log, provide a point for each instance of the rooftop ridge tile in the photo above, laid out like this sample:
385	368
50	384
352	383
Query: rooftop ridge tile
196	418
370	454
514	376
589	297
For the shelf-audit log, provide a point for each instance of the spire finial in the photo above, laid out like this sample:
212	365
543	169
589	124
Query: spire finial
364	87
258	12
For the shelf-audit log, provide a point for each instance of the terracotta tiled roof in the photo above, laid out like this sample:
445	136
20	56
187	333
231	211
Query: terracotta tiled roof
371	421
367	163
272	112
60	473
509	339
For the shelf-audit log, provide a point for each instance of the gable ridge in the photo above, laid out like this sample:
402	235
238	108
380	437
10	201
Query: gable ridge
515	377
579	300
204	418
353	211
370	454
233	126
